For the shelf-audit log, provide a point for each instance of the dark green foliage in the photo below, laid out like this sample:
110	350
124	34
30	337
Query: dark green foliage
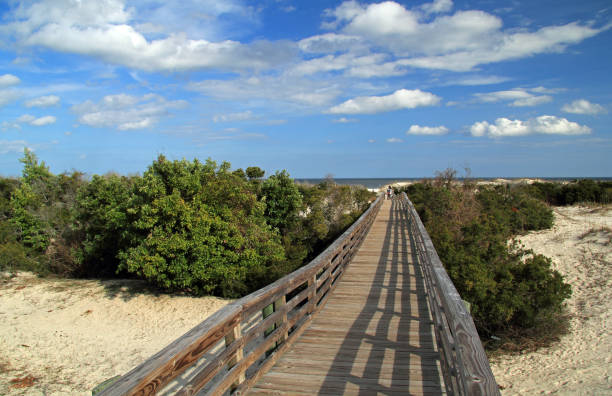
580	191
199	227
283	201
184	225
102	217
255	172
516	211
507	286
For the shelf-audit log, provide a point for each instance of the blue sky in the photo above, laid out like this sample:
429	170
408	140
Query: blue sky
348	88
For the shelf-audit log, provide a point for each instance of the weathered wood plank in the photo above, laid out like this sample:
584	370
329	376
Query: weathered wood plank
377	317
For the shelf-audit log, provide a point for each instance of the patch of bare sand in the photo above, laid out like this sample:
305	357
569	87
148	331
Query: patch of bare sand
580	245
70	335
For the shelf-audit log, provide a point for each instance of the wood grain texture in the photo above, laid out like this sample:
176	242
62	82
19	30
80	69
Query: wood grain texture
474	372
163	367
375	333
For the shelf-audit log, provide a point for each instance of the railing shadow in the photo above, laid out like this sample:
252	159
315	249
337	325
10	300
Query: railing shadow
400	351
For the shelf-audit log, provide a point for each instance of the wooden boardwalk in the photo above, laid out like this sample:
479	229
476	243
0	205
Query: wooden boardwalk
375	334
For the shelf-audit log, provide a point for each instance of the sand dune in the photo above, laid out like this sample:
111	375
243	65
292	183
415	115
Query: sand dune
580	244
70	335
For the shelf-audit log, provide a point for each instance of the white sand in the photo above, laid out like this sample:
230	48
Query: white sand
72	335
581	363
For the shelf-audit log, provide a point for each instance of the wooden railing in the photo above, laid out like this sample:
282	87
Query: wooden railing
230	350
465	366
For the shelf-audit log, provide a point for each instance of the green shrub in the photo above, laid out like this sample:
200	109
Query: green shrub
101	216
198	227
507	286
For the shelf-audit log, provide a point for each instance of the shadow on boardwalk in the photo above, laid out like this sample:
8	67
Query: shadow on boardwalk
375	334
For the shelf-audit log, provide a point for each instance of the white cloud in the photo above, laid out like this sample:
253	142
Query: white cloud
329	43
26	118
106	29
31	120
284	89
400	99
478	80
43	101
371	141
7	96
243	116
457	42
46	120
344	120
532	101
12	146
437	6
519	97
424	130
547	125
7	80
394	140
125	112
583	106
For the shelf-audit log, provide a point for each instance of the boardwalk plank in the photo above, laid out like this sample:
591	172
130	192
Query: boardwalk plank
374	335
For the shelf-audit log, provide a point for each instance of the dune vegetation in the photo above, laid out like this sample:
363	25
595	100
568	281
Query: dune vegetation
188	226
517	299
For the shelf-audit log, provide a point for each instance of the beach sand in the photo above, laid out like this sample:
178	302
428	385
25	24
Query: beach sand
580	245
64	337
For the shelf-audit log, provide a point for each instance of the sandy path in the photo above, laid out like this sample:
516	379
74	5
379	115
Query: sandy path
580	245
70	335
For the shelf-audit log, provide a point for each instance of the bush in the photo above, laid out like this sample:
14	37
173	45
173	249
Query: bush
507	286
199	227
102	220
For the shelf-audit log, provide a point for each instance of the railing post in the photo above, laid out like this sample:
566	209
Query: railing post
278	305
312	293
234	335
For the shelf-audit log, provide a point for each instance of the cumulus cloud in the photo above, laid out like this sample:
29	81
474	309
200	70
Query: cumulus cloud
517	97
7	80
394	140
547	125
125	112
46	120
31	120
400	99
583	106
457	42
106	29
425	130
43	101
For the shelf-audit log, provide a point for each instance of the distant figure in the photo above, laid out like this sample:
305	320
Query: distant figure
389	191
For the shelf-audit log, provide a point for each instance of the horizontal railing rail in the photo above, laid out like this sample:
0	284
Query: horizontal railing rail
229	351
464	364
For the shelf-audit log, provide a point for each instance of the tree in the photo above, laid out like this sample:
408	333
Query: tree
255	172
283	201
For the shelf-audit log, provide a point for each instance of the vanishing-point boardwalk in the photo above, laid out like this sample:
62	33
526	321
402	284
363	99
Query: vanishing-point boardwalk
375	333
375	313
